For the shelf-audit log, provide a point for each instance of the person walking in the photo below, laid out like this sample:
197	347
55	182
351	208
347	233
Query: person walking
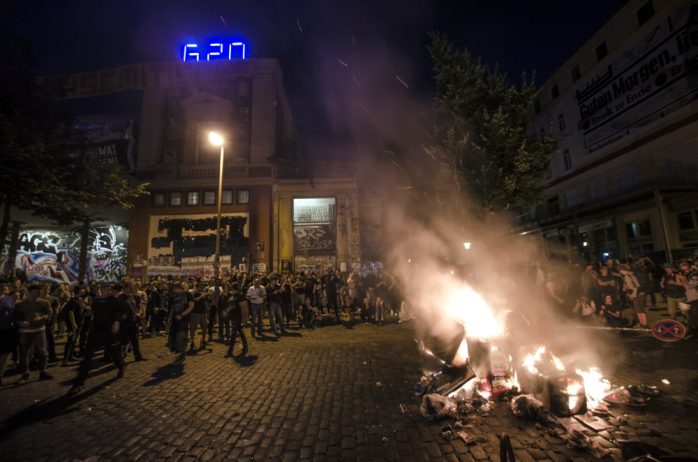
33	314
198	317
108	315
181	305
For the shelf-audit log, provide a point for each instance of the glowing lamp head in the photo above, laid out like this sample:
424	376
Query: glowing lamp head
466	245
215	138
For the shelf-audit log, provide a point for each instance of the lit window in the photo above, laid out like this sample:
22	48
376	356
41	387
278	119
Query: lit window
209	198
159	199
176	198
243	196
227	197
193	198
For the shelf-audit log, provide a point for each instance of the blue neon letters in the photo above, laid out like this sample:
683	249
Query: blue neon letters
213	51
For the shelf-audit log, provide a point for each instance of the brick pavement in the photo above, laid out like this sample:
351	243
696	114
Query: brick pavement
327	394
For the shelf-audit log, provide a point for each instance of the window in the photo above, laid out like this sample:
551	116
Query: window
193	198
536	105
686	221
639	229
227	197
176	198
645	12
567	159
561	122
159	199
576	73
243	196
601	51
209	197
555	91
553	205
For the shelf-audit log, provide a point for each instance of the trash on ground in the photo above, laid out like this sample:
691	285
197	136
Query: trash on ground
467	439
528	407
435	407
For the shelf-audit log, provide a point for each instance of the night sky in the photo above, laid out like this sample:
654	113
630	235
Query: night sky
378	40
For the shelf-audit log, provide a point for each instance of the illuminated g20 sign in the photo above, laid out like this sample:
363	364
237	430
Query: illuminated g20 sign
214	51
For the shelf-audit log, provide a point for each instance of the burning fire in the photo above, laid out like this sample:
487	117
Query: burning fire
470	309
595	385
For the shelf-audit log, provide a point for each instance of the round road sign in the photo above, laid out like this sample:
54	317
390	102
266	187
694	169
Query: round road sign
668	330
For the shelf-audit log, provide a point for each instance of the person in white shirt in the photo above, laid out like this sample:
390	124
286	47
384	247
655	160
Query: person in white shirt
256	295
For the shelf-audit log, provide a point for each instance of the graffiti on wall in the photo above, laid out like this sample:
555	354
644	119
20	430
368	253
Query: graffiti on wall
53	255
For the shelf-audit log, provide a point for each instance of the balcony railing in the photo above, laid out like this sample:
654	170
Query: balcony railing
616	185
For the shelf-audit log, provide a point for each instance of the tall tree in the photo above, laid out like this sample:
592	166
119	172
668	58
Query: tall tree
47	166
482	142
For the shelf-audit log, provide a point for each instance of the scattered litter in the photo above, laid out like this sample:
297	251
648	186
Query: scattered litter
578	440
89	408
402	81
435	407
223	21
298	22
624	397
644	390
528	407
666	382
447	435
378	384
458	425
403	408
385	439
467	439
342	63
364	363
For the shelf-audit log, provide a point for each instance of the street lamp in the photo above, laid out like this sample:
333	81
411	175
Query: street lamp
216	139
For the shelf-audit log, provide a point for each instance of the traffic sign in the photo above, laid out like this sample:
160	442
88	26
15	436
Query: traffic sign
668	330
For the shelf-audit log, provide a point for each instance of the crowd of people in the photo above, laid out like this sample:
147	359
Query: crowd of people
611	291
116	315
193	312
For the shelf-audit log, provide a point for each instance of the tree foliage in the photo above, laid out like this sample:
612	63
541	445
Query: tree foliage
487	155
46	164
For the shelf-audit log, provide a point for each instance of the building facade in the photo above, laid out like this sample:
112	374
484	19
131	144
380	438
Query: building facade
624	109
280	210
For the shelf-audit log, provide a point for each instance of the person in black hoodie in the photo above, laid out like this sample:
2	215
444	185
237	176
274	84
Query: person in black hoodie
109	313
233	296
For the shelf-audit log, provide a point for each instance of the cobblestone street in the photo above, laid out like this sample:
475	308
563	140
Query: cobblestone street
325	394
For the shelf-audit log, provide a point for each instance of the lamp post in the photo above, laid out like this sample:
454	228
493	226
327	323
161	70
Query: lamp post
216	139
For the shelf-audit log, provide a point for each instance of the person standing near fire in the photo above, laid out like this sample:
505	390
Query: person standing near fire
632	288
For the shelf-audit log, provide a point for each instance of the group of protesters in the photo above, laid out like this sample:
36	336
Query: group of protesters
116	315
619	293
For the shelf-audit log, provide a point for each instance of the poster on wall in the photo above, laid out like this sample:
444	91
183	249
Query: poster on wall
52	256
314	227
654	77
184	245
